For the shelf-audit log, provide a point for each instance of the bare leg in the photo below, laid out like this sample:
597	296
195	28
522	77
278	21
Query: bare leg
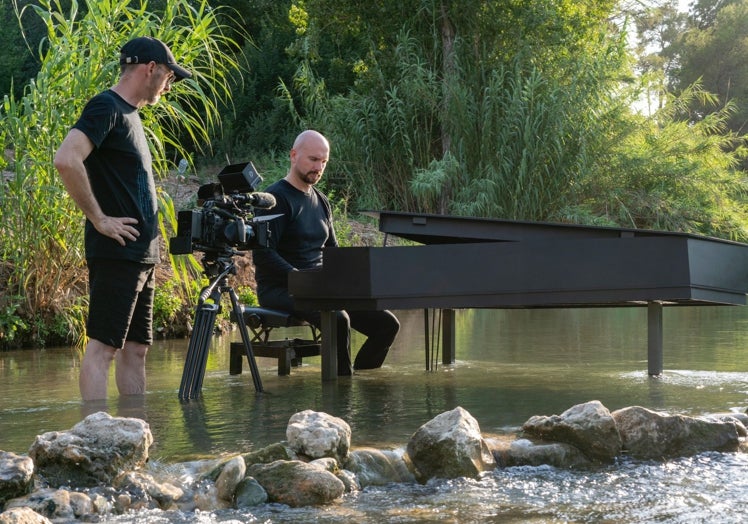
130	372
94	375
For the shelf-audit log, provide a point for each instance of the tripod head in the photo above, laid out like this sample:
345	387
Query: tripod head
216	263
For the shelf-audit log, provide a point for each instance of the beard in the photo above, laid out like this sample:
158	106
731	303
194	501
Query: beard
311	177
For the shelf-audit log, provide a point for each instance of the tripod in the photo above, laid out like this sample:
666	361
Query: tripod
217	267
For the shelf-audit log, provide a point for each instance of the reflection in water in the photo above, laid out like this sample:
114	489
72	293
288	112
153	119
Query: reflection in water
132	406
510	366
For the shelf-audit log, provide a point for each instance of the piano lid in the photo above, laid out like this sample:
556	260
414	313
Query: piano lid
578	272
447	229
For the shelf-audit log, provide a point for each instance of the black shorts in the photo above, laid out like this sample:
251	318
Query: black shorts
121	302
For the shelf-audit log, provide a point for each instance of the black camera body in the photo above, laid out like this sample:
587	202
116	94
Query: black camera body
225	222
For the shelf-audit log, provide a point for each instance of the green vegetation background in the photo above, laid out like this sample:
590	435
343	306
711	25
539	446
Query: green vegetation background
593	111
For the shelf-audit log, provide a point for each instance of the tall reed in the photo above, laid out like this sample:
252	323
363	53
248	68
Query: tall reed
494	136
673	171
40	227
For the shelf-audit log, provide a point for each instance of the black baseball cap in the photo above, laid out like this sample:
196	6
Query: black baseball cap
145	49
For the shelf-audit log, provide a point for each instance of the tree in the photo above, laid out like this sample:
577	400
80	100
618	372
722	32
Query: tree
659	29
259	121
703	13
485	108
713	53
18	62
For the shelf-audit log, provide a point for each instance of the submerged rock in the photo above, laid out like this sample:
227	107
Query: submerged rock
297	483
523	452
230	477
650	435
375	467
249	493
146	492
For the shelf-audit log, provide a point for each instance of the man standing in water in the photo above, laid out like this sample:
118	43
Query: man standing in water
106	166
297	238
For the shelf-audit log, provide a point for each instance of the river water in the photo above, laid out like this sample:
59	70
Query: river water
511	365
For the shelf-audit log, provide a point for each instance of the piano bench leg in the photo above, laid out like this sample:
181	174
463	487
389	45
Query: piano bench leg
288	352
285	356
236	354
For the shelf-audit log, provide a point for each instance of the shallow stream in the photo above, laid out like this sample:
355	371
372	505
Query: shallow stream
510	366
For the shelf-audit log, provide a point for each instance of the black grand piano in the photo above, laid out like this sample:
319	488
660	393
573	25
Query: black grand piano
464	262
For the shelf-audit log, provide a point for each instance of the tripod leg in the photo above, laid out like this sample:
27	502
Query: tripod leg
212	314
246	340
197	352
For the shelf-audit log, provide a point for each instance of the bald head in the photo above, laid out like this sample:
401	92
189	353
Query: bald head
309	157
310	138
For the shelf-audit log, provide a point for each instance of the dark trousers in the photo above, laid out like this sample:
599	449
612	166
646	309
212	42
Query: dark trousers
380	328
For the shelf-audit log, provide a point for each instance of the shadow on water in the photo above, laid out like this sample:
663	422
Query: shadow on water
510	366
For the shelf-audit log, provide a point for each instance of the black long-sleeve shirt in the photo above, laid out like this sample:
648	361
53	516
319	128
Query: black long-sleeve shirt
296	237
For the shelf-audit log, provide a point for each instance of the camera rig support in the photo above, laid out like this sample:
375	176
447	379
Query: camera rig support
217	267
223	226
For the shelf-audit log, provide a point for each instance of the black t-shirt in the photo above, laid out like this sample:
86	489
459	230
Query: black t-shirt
121	176
297	237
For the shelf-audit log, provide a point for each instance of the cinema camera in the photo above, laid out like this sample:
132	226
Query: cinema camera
225	222
224	225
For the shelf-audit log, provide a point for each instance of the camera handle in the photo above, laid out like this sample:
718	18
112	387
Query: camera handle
205	317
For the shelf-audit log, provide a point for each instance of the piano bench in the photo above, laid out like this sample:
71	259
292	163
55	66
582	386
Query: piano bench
262	323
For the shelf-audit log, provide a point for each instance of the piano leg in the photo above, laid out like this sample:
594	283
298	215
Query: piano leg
427	338
446	323
654	339
448	336
328	349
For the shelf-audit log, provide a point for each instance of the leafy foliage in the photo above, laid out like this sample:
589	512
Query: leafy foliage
505	109
483	125
519	110
40	227
669	174
10	323
167	303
